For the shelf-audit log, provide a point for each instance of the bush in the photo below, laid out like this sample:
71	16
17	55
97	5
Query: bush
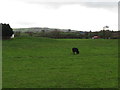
7	31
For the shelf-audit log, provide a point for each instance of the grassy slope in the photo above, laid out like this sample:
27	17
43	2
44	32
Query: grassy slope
43	63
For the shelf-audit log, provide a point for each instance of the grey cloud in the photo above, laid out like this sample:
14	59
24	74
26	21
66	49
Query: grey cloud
101	4
59	1
25	23
87	3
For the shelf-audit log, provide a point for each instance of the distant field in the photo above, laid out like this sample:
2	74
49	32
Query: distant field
30	62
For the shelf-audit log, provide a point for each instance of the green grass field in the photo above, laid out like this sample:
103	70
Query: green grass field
32	62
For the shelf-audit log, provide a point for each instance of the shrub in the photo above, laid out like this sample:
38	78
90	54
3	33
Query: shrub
7	31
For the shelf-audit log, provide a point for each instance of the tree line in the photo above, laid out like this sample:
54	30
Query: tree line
7	32
104	34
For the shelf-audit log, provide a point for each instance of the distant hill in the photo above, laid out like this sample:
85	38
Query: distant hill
39	29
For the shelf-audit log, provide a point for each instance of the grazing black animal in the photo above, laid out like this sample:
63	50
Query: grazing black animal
75	50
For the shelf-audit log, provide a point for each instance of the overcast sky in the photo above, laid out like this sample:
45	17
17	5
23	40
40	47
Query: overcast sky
83	15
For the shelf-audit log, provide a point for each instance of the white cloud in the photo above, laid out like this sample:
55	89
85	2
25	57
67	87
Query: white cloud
74	16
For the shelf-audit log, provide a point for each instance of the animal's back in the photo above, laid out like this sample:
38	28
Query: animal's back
74	49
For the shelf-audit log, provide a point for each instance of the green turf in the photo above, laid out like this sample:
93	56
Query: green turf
30	62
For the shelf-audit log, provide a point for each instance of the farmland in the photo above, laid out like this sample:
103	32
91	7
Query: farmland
32	62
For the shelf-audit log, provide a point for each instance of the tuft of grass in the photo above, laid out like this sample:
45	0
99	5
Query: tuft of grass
31	62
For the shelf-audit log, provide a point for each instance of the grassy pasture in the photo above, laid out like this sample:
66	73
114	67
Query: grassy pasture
30	62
